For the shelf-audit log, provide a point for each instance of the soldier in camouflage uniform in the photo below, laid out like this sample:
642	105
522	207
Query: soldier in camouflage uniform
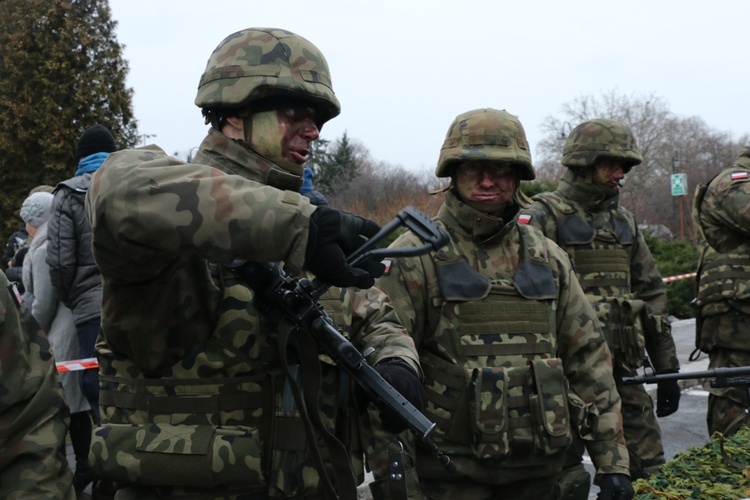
722	216
513	360
617	273
193	387
34	416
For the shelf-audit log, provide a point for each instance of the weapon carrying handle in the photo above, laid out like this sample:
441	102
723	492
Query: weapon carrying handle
426	229
431	233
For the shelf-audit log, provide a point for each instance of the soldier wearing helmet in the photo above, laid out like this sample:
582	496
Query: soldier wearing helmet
723	305
617	273
514	363
192	379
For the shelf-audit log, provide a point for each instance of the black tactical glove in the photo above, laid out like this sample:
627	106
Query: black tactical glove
615	487
334	235
667	396
405	380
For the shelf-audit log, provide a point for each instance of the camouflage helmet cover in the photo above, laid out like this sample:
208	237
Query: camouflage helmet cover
256	63
486	134
597	139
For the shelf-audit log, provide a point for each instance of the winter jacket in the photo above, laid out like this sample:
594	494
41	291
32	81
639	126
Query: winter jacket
53	317
72	269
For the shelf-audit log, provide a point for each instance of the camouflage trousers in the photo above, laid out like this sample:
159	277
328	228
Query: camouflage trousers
728	403
641	430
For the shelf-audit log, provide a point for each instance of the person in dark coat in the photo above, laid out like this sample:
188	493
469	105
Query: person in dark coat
72	269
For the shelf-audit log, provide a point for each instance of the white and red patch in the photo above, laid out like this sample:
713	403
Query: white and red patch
738	176
524	219
387	263
77	365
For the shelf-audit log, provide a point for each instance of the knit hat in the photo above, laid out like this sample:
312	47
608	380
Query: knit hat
307	183
37	208
96	139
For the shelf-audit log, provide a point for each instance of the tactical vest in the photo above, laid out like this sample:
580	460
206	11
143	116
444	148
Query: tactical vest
222	419
721	290
503	397
601	256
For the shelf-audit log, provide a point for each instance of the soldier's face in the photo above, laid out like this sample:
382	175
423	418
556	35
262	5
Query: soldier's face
609	173
487	186
283	135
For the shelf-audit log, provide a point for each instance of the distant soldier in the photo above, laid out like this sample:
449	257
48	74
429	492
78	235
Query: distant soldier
34	416
195	391
617	272
514	362
722	216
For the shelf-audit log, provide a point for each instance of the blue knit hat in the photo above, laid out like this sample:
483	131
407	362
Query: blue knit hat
307	184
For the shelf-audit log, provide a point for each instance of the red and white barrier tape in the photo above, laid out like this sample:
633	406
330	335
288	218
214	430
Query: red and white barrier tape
77	365
678	277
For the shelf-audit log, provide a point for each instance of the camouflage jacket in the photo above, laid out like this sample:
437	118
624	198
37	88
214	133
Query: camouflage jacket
155	224
493	248
722	216
33	413
598	208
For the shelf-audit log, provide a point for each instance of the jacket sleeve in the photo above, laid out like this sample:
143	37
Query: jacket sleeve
376	325
61	241
45	302
588	365
34	411
647	284
146	208
411	285
538	215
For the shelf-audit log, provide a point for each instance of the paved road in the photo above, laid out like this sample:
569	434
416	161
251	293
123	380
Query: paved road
684	429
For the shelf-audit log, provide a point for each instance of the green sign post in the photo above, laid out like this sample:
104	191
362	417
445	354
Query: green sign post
679	184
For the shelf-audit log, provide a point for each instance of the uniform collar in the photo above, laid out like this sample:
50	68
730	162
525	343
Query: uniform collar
478	226
576	187
233	157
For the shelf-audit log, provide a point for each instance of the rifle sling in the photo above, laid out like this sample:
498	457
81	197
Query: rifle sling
307	404
396	470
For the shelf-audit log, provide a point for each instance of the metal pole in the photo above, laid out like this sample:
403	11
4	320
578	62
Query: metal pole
675	163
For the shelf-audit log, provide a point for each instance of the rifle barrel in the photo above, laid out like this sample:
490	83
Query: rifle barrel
718	373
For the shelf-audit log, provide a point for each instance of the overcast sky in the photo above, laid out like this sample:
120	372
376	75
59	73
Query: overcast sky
403	69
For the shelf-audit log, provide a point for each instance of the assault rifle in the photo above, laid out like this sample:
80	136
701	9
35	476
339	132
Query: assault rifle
297	301
721	377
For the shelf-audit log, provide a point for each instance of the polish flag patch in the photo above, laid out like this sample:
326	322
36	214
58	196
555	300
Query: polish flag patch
524	219
387	263
77	365
739	176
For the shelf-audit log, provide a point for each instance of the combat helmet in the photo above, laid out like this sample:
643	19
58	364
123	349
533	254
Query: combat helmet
486	134
257	63
597	139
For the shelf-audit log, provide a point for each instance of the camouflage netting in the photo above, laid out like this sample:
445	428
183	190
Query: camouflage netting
701	472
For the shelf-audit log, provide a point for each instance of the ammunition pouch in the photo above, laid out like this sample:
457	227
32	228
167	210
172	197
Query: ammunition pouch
520	410
624	331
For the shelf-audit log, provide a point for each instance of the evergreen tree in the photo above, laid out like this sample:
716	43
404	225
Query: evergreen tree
338	167
61	71
318	156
